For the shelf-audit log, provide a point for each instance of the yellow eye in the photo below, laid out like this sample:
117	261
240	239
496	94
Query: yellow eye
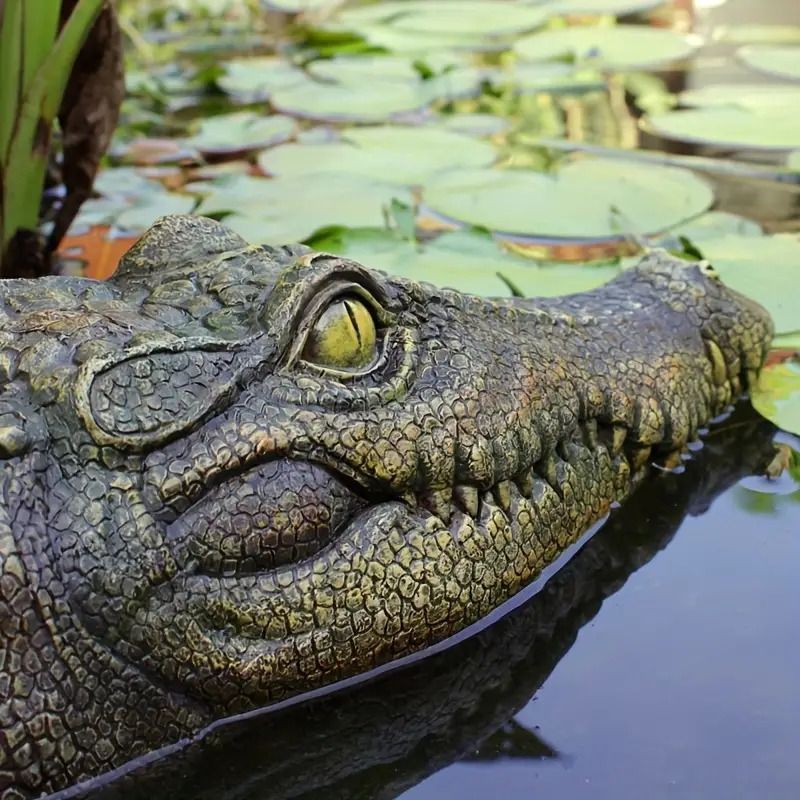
344	337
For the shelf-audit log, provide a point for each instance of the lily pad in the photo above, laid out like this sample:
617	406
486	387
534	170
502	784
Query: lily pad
776	396
354	69
766	268
474	124
399	154
469	260
241	131
290	209
793	160
744	95
587	199
757	34
765	128
619	47
780	60
253	79
449	17
300	6
612	7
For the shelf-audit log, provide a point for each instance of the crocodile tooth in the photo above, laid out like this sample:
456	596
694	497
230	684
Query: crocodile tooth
618	438
467	498
438	502
524	483
589	429
719	369
502	493
546	467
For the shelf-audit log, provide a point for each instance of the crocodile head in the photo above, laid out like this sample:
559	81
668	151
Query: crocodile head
243	472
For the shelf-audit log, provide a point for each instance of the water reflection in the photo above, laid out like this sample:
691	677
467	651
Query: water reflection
380	739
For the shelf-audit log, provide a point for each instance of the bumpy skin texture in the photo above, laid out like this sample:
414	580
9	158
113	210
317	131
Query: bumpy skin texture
196	521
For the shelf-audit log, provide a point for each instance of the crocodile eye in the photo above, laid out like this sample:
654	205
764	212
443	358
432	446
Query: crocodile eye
344	336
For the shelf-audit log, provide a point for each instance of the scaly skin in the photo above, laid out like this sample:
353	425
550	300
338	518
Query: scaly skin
196	521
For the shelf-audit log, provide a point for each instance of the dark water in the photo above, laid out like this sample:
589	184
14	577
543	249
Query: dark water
661	660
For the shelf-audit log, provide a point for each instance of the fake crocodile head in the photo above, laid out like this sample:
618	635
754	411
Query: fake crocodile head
234	473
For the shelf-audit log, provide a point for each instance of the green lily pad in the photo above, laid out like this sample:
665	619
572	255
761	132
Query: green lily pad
787	341
744	95
611	7
619	47
766	268
757	34
793	160
242	130
780	60
765	128
355	69
714	224
300	6
449	17
587	199
468	260
466	17
554	77
290	209
776	396
474	124
255	79
399	154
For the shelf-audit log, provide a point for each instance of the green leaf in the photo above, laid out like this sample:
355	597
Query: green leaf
398	154
587	199
468	260
10	77
776	395
290	209
613	47
242	130
787	341
143	214
256	78
766	268
765	128
780	60
757	33
755	97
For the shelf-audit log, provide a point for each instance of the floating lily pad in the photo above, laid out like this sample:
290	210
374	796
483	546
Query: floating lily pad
619	47
474	124
300	6
765	128
254	79
793	160
758	34
391	153
714	224
787	341
766	268
780	60
354	69
290	209
776	396
613	7
555	78
468	260
241	131
587	199
450	17
744	95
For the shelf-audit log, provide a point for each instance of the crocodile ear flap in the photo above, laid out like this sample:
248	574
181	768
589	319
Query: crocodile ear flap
176	242
142	400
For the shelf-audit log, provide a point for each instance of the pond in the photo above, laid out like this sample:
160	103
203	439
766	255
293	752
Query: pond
534	150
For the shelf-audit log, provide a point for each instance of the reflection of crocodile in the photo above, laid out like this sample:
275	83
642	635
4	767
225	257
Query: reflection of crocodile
378	739
233	473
